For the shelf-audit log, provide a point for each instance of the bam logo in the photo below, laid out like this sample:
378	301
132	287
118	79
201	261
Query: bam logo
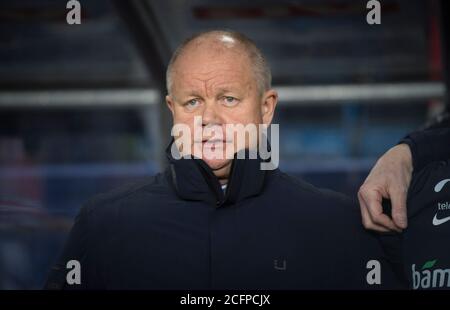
427	277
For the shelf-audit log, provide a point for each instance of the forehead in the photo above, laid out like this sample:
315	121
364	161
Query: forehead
200	67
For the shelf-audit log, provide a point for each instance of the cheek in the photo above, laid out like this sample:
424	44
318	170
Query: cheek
181	117
189	121
246	113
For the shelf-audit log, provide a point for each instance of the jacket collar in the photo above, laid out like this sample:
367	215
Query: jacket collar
194	180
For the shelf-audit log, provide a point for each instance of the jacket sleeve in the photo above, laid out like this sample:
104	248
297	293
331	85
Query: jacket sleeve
428	146
76	249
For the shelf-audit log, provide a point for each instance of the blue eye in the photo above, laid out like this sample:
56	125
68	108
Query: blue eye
192	103
230	100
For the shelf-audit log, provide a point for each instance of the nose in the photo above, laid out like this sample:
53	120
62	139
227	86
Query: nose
210	115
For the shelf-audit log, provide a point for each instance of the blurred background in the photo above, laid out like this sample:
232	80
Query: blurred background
82	109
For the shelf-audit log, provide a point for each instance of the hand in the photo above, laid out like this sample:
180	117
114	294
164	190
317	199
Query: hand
389	178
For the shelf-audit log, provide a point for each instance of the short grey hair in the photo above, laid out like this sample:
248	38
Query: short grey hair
258	62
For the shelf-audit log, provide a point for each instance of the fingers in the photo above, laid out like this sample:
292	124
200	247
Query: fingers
389	178
372	211
367	220
398	200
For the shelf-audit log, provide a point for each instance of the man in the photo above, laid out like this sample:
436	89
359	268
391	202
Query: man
391	176
415	175
219	222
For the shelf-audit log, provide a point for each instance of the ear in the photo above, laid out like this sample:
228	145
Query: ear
270	100
170	104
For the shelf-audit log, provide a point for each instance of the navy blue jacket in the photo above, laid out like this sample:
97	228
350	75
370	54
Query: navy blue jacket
431	144
179	230
424	247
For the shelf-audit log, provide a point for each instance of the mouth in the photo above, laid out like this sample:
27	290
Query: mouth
214	144
212	141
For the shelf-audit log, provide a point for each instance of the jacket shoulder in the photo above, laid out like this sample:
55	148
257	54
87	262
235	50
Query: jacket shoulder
102	201
302	187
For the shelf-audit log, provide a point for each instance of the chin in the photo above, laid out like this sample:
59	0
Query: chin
216	164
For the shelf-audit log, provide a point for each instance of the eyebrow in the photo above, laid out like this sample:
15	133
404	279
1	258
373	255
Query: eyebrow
224	90
193	94
220	91
187	94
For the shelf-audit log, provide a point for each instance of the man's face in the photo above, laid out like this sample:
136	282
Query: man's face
218	85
